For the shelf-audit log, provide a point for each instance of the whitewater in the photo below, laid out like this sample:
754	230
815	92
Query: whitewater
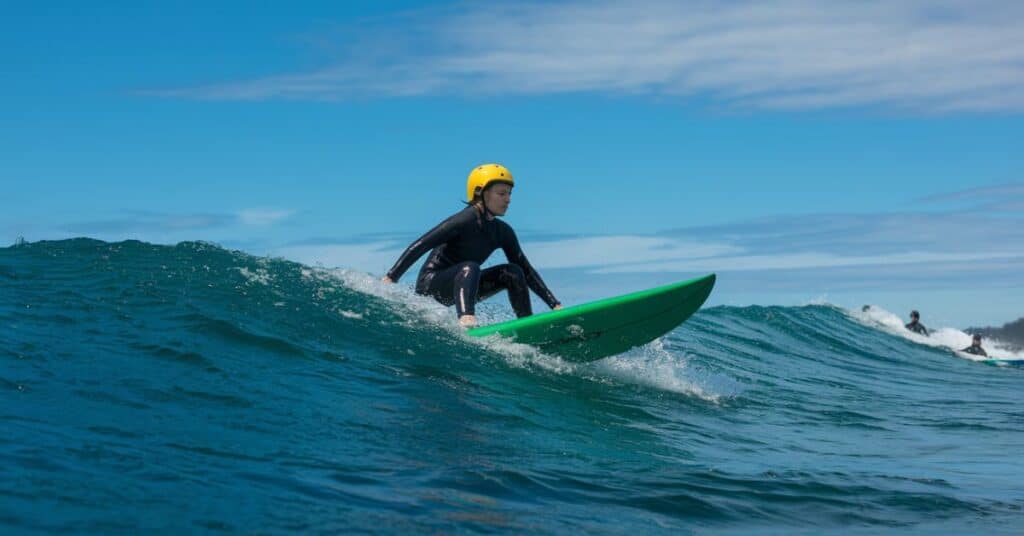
191	388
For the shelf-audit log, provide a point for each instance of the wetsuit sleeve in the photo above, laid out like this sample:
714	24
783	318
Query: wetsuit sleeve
510	245
440	234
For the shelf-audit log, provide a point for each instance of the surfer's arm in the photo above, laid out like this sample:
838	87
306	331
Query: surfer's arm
515	255
440	234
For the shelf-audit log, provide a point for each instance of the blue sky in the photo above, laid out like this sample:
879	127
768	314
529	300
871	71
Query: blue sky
852	152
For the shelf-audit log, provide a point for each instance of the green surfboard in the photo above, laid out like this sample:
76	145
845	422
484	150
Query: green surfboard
597	329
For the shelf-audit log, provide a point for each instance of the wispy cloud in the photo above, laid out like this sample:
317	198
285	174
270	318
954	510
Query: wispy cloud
1002	193
255	216
372	257
137	223
925	55
795	261
149	222
869	234
602	251
823	241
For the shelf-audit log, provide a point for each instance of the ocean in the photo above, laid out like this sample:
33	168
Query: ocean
194	389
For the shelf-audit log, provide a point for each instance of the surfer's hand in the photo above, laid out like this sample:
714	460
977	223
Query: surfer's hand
386	279
557	307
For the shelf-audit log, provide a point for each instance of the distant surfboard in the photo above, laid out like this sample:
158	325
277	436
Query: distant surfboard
598	329
1005	362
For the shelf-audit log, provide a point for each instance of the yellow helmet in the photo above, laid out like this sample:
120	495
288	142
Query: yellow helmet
483	176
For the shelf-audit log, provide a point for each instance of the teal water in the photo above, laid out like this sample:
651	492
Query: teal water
193	389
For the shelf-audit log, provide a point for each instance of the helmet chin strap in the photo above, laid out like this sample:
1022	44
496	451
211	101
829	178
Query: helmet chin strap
487	212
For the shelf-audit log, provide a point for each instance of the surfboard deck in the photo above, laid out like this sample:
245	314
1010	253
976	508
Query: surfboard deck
591	331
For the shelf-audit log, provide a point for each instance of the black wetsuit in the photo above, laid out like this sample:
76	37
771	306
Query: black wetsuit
975	350
452	274
918	328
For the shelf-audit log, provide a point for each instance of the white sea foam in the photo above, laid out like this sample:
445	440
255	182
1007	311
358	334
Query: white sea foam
656	366
942	337
260	276
412	309
406	301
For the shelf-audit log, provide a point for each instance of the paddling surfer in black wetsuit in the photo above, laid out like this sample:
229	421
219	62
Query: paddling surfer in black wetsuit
915	324
975	347
461	243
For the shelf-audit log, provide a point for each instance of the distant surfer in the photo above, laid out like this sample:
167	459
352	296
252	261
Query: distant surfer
461	243
975	347
915	324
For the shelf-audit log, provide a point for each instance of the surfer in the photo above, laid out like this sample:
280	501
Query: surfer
461	243
915	324
975	347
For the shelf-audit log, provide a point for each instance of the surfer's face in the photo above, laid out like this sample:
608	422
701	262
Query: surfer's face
497	198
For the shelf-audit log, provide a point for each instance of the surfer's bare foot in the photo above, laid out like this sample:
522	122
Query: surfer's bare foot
467	321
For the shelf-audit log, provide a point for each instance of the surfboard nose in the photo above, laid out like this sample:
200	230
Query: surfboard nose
706	284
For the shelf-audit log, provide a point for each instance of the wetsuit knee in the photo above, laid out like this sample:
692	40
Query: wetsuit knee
467	269
513	277
466	283
517	272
